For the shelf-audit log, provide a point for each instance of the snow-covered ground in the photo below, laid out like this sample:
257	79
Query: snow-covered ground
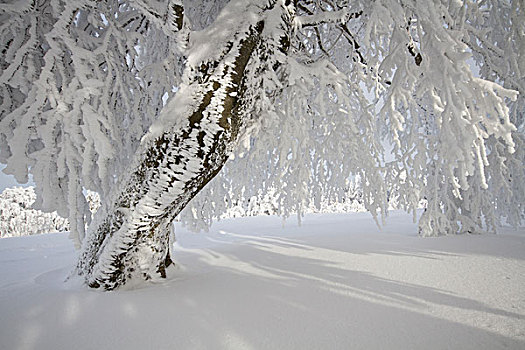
336	282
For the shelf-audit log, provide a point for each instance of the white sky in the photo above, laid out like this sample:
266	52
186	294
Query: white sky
7	181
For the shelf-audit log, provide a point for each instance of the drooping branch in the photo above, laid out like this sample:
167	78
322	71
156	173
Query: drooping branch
169	17
339	16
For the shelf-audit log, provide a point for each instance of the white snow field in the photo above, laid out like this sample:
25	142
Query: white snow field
336	282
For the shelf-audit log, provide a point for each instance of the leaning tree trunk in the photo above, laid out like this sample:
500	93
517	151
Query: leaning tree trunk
130	238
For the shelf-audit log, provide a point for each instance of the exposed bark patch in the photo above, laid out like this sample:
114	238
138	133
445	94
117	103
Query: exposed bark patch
178	14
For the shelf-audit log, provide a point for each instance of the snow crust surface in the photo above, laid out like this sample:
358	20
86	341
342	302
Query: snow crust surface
336	282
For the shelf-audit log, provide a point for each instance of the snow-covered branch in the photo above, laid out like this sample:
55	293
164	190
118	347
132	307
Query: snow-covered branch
338	16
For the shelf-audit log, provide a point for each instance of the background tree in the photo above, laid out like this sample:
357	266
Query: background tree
17	218
144	102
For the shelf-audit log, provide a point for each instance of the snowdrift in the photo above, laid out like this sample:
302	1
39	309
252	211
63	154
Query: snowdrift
336	282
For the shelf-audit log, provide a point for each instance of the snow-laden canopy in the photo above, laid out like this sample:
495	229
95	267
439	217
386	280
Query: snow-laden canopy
415	100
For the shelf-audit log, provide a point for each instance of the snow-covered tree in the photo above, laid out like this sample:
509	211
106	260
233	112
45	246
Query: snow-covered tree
17	218
175	107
